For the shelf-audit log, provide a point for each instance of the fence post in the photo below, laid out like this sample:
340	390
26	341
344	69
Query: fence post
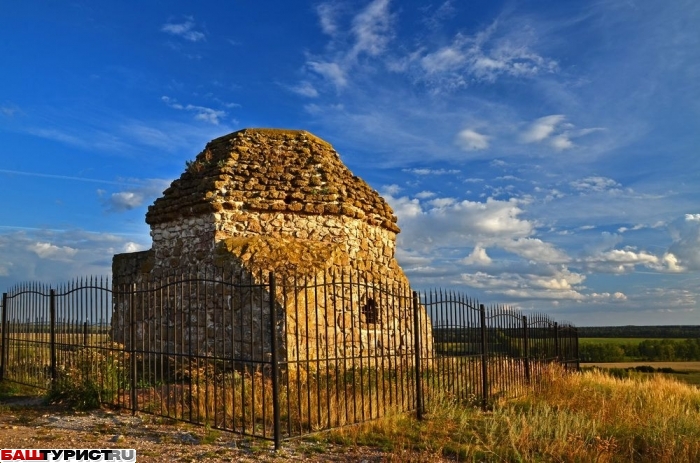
275	362
416	347
557	351
578	359
132	347
3	341
526	346
484	358
85	334
52	335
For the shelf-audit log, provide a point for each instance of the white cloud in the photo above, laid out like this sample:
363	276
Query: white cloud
327	14
185	30
542	128
424	171
440	203
477	257
499	50
51	251
425	195
535	250
146	191
621	260
133	247
595	184
370	32
205	114
331	71
372	29
202	113
391	190
684	252
305	88
561	142
53	256
608	297
555	132
561	285
470	140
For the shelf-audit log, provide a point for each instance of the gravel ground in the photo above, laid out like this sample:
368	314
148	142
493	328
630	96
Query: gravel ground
26	423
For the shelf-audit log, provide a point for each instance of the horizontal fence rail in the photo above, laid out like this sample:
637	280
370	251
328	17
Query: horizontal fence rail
273	356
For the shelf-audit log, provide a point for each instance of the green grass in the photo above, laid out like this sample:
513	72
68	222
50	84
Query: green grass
619	341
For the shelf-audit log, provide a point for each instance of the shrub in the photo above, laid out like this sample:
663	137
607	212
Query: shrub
90	377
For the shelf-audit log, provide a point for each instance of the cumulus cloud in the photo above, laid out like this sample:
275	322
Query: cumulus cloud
53	256
51	251
471	140
623	260
185	30
559	285
684	252
535	249
477	257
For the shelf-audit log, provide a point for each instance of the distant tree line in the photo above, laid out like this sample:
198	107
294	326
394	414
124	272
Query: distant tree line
653	350
644	332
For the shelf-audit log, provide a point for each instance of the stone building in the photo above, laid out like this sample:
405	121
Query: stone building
282	201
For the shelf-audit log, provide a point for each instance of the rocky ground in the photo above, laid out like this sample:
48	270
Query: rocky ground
27	423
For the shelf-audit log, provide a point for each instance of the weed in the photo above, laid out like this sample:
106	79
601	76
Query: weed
91	377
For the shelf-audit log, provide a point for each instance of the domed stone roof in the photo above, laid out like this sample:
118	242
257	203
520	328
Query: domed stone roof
270	170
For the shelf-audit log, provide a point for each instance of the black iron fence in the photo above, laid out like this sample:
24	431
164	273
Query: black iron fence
273	357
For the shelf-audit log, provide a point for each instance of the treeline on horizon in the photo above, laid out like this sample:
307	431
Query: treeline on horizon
651	350
630	331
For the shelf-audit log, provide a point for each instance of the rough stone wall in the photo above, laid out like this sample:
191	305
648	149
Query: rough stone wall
192	241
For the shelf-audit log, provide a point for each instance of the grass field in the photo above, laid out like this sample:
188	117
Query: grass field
686	372
619	341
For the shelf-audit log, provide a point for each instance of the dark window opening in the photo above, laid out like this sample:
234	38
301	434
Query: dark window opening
370	311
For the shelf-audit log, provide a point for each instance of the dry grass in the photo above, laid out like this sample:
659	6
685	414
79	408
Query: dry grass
680	366
575	418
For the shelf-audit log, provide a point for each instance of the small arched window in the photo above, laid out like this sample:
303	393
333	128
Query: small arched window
370	311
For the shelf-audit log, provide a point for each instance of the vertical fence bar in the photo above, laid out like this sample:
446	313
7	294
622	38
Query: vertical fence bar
132	346
578	359
3	341
52	336
557	353
416	346
484	358
526	349
275	362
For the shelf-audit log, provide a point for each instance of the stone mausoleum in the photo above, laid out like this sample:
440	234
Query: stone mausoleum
282	201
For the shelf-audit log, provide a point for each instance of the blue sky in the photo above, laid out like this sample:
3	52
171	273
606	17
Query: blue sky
540	154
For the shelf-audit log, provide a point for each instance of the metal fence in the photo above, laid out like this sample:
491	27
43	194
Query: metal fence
273	357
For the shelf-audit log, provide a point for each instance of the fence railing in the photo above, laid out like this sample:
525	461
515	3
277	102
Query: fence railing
273	356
